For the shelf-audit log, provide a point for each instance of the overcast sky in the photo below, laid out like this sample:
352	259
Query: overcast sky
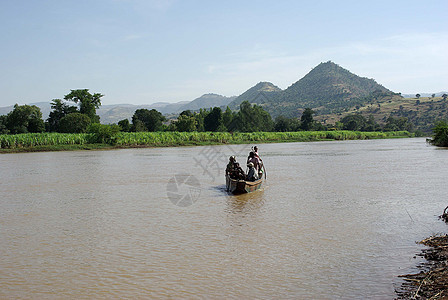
146	51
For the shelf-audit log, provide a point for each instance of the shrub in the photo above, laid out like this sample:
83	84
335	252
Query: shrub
100	133
440	137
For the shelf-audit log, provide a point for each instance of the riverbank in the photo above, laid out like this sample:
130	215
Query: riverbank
432	281
34	142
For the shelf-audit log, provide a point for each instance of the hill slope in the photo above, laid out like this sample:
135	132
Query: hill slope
261	93
327	88
207	101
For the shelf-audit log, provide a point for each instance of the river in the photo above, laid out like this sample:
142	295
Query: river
334	220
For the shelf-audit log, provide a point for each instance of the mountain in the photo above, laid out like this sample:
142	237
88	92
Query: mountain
207	101
326	88
259	94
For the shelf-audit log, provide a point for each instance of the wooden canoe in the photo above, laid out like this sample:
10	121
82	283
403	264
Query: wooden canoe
242	186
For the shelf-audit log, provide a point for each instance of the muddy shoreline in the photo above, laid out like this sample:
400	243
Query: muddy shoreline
432	281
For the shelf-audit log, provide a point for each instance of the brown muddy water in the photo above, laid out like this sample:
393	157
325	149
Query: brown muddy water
334	220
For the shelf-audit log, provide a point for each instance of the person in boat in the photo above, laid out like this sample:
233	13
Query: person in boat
259	164
252	174
230	165
238	172
255	160
256	152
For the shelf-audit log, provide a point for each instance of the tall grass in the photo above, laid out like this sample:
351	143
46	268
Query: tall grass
41	139
156	139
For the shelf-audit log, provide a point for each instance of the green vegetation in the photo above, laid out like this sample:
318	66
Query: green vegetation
41	139
440	137
101	135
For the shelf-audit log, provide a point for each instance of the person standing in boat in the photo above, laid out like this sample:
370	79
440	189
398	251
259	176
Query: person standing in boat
252	174
254	160
256	152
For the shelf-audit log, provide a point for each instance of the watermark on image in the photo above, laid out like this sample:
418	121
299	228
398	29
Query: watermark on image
213	160
183	190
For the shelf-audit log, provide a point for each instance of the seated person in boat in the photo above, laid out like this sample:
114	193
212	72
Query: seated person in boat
252	174
230	165
238	172
255	160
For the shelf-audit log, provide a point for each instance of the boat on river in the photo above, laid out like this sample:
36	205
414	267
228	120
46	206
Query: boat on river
242	186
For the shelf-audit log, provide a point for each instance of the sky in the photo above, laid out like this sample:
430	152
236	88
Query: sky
147	51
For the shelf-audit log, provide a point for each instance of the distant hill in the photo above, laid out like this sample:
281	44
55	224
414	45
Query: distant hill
206	101
110	114
261	93
439	94
423	112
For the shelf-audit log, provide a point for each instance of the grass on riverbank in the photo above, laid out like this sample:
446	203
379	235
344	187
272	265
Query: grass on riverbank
63	141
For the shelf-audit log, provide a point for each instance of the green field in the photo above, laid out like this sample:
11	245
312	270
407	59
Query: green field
63	141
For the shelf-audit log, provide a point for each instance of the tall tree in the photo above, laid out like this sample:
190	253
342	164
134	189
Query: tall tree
60	110
3	128
227	119
25	118
88	103
124	125
306	119
151	120
253	118
186	123
213	121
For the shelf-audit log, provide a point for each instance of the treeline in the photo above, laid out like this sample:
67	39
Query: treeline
76	113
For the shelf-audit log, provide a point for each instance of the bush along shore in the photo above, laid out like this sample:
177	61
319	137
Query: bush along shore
65	141
432	281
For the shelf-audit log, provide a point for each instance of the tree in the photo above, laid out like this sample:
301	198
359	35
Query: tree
213	121
371	125
147	120
444	96
187	113
60	110
24	119
252	118
440	137
417	96
3	128
354	122
397	124
74	123
433	95
227	119
200	116
306	119
186	123
284	124
124	125
88	103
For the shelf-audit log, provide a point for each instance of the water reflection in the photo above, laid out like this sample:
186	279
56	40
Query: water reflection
244	204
